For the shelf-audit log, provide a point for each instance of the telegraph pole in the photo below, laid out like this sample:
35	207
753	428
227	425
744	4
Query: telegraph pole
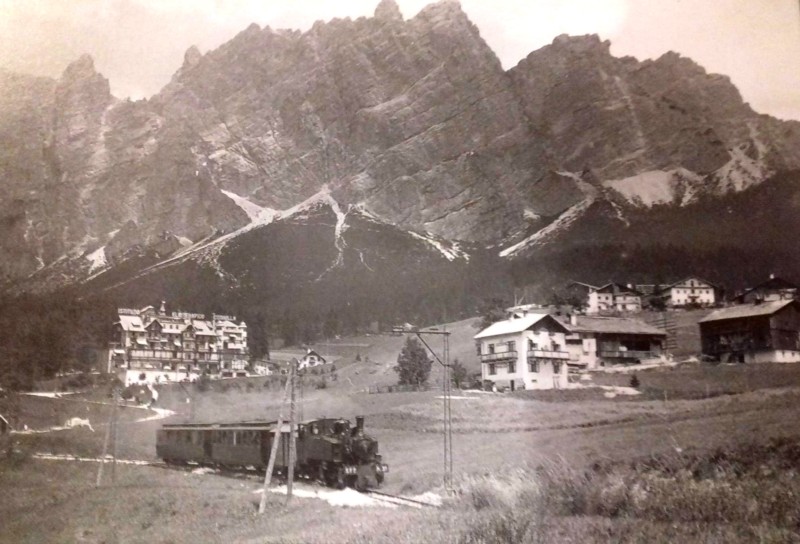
262	507
292	426
111	429
447	431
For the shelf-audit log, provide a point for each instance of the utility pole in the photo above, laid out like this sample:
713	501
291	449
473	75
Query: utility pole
114	435
262	507
111	428
292	427
447	455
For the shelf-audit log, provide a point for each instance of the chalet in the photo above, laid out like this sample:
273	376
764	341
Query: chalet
311	359
691	291
614	297
753	333
774	288
600	341
526	351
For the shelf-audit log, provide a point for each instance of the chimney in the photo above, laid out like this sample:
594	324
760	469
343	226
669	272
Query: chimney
360	423
163	309
573	319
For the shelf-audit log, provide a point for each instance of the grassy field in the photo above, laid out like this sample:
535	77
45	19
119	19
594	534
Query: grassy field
699	464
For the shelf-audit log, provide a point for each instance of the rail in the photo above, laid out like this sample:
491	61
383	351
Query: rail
398	500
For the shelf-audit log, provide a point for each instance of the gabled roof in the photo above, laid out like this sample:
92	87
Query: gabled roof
202	328
582	284
616	288
748	310
518	324
773	283
615	325
131	323
684	280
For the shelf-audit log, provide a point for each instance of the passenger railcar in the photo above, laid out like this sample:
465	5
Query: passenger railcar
328	449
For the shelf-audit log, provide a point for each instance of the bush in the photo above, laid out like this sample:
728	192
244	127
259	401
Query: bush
635	381
203	383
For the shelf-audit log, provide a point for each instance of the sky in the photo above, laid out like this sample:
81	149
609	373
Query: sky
139	44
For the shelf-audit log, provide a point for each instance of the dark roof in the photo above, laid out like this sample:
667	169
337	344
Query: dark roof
747	310
617	288
774	282
615	325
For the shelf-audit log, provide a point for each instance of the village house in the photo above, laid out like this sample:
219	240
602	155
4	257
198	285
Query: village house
613	297
774	288
311	359
595	341
526	351
753	333
151	345
691	291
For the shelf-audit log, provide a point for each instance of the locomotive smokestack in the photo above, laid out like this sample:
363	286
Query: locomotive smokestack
360	423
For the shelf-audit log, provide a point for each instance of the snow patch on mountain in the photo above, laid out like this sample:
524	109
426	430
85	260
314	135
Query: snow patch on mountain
97	258
656	186
562	222
530	215
324	195
254	211
450	253
743	171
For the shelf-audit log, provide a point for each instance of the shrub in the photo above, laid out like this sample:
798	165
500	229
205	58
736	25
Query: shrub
635	381
203	383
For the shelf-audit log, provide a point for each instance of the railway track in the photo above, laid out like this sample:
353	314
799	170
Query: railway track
400	501
258	476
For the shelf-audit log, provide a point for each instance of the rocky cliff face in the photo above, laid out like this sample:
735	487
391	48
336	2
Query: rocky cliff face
412	121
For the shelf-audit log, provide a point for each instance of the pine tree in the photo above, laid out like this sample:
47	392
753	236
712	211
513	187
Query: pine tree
458	372
413	363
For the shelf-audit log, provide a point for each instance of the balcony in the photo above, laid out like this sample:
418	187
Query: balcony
628	354
501	356
548	354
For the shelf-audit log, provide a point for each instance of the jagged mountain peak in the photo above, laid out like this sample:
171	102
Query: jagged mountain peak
81	68
388	10
192	57
414	119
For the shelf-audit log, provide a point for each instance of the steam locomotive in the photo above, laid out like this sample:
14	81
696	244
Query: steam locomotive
329	450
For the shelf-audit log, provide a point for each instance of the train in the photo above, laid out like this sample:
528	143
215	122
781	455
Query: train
330	450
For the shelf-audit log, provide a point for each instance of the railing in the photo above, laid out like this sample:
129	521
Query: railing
628	354
548	354
501	356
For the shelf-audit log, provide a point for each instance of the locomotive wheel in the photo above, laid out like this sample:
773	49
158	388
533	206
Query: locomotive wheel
336	478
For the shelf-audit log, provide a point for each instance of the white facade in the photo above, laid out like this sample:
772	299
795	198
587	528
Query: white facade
527	352
691	291
154	341
311	359
613	297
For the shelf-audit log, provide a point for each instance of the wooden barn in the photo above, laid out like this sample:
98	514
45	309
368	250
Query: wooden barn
753	333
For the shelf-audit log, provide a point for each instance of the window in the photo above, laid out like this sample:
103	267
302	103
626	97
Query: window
512	345
491	348
556	367
512	367
533	366
531	345
478	347
492	369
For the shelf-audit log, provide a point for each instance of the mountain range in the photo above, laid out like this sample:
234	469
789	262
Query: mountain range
392	167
